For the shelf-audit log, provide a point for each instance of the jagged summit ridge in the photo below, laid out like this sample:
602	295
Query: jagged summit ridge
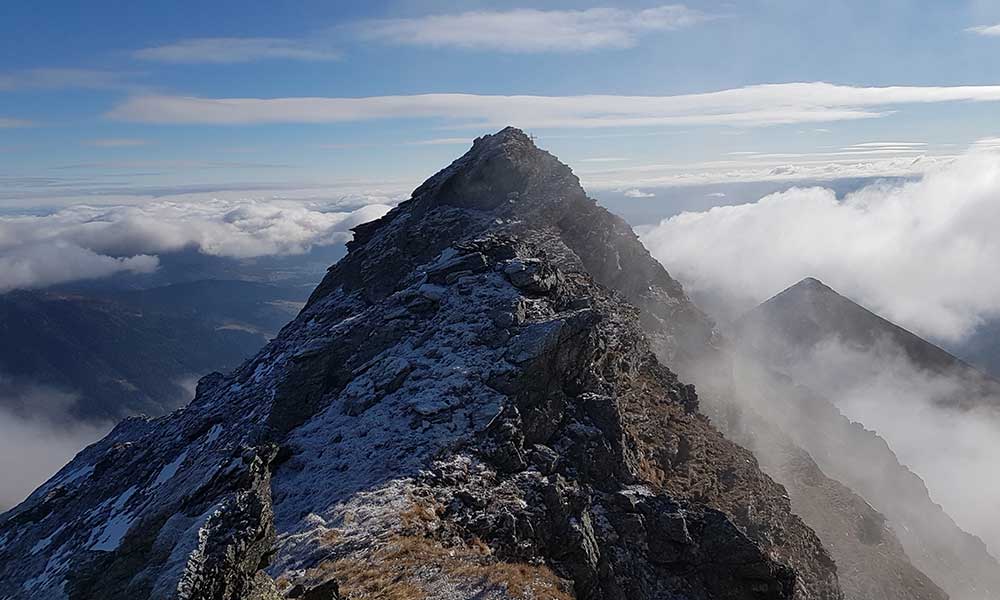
506	185
467	407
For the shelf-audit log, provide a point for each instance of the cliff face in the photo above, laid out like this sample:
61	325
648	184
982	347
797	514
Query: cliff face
465	408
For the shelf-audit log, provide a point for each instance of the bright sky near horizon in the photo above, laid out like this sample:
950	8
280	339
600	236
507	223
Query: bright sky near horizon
113	101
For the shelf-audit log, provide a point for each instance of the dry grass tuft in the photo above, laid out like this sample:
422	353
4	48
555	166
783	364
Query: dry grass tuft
407	566
419	516
411	565
330	537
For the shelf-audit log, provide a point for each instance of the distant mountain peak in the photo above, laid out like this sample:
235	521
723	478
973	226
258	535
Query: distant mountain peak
807	287
793	322
811	283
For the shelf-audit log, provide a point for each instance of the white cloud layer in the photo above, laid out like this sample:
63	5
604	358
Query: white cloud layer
759	105
922	254
34	446
223	50
530	30
84	242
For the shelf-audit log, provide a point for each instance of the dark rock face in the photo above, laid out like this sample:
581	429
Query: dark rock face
465	408
875	559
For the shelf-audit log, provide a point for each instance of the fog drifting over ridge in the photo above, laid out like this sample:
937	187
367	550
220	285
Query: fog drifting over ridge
953	451
85	242
921	254
37	440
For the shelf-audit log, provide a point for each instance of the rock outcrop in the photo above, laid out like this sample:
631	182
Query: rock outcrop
465	408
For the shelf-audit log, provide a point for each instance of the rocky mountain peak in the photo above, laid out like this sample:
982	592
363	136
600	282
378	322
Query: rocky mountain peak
505	170
468	406
506	186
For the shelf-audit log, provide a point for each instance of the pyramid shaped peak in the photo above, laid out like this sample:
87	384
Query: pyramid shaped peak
808	292
811	283
510	143
499	168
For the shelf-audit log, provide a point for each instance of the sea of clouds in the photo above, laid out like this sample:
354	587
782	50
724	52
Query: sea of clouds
90	241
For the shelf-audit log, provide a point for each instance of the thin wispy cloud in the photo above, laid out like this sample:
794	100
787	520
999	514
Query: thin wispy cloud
63	79
115	143
753	106
176	165
6	123
778	167
451	141
603	159
530	30
848	151
988	144
889	145
990	30
229	50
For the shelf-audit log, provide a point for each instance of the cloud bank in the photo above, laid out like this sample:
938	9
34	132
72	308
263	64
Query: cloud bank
752	106
84	242
38	441
922	254
953	451
529	30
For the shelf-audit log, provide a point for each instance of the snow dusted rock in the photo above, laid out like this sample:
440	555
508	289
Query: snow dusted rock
464	409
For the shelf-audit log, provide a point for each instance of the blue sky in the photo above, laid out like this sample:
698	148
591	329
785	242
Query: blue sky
109	101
